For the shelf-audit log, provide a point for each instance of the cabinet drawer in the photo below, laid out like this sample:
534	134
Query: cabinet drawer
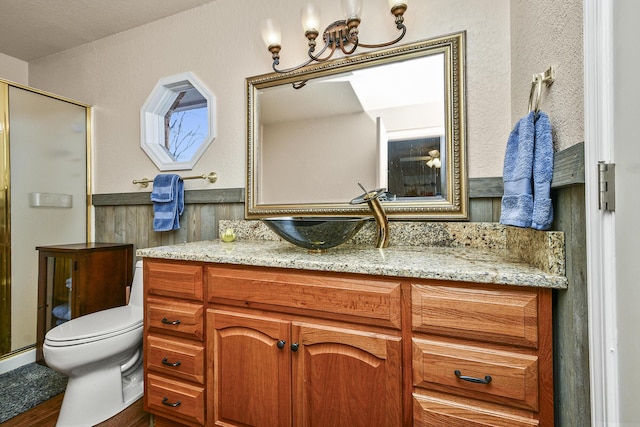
173	280
176	318
360	299
175	398
511	377
480	313
434	412
179	359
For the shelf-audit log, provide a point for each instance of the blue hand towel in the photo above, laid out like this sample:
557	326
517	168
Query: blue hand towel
517	202
168	202
542	216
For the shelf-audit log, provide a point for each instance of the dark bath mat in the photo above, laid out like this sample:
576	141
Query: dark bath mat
28	386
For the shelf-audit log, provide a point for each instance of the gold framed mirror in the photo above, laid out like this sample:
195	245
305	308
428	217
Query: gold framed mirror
393	118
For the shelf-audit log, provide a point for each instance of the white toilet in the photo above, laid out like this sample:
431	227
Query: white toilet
101	353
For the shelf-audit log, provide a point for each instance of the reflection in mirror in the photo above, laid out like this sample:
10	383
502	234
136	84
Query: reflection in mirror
415	168
178	122
390	119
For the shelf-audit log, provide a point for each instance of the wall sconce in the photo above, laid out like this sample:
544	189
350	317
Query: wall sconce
341	34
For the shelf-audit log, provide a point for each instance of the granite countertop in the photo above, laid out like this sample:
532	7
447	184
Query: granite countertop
495	265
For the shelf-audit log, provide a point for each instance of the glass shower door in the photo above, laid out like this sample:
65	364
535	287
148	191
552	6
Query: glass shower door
48	154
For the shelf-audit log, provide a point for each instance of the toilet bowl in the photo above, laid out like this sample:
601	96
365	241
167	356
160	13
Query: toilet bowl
101	353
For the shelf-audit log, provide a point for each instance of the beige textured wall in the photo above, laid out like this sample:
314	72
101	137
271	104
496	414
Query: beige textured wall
13	69
549	34
221	44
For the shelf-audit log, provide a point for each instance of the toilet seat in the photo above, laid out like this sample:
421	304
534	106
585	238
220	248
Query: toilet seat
95	327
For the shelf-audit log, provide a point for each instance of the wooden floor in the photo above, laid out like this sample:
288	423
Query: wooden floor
46	414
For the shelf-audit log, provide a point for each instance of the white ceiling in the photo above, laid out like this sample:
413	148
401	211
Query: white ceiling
31	29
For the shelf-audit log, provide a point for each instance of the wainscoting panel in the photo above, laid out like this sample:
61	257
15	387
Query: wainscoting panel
570	313
134	224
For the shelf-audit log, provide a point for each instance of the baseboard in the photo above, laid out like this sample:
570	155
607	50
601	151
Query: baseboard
20	359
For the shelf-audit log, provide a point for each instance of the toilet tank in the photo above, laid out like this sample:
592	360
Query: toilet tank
136	297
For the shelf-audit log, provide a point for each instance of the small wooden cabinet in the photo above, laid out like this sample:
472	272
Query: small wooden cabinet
250	346
78	279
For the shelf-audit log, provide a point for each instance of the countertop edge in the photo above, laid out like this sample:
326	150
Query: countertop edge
447	264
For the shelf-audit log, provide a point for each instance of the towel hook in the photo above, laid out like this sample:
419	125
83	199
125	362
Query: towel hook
535	94
547	78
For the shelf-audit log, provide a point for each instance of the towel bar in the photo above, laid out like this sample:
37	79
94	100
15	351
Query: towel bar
212	177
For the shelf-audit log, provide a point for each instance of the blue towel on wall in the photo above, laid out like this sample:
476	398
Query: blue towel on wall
542	216
517	202
527	174
168	202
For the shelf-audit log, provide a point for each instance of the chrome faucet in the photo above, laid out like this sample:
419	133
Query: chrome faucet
372	198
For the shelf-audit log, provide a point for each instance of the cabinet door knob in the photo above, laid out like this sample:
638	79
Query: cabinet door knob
166	362
281	344
295	346
486	380
170	322
166	402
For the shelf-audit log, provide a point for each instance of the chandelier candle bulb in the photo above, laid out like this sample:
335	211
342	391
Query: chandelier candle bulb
270	33
352	9
310	16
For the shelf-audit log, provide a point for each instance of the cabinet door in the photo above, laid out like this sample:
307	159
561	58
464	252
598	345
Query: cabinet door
344	377
251	369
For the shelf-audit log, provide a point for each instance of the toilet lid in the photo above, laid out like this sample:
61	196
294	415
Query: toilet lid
95	326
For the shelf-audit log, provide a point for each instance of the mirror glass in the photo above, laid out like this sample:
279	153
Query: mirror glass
389	119
177	122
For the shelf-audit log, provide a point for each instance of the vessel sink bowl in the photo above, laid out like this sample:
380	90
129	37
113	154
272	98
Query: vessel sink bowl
315	233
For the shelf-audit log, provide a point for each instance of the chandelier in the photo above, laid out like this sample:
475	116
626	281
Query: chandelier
340	35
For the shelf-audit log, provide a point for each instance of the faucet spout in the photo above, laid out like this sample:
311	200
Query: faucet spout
373	201
382	240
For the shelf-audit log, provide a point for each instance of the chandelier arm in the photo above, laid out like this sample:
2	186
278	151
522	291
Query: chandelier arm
311	59
355	43
317	57
286	70
404	31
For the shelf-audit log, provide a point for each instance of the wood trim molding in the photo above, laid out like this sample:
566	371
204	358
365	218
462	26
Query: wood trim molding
568	169
224	195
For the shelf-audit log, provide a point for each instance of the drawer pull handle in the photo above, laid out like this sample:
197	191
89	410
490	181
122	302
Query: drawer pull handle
166	362
170	322
281	344
486	380
166	402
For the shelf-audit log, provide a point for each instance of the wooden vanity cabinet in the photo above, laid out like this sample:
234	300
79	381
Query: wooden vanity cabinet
277	347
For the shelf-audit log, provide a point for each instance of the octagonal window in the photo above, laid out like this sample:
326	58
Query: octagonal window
178	122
